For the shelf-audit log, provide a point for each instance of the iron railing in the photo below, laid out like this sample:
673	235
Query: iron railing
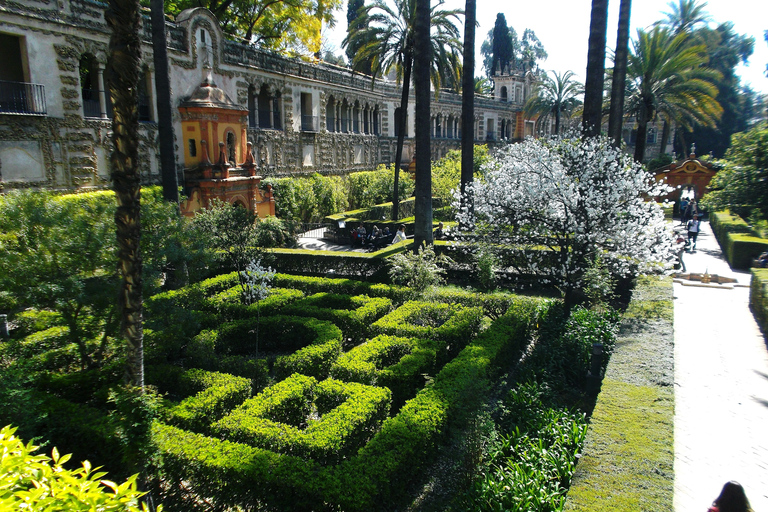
22	98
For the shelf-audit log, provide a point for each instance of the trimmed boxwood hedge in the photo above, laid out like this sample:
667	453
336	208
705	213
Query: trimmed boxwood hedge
233	474
370	266
758	297
311	285
352	314
279	418
453	324
399	364
316	343
737	240
216	394
229	303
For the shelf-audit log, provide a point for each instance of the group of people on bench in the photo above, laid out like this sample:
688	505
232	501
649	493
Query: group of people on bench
379	238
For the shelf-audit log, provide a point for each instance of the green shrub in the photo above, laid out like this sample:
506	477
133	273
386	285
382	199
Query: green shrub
399	364
311	285
758	296
352	314
452	324
34	320
216	394
37	482
230	305
348	414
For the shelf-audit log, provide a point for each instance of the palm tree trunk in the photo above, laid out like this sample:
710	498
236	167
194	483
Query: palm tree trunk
616	117
164	114
557	119
593	88
422	59
468	103
401	133
125	52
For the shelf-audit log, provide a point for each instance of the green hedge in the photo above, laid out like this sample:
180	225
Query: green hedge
399	364
311	285
216	394
33	320
278	419
229	303
737	240
758	296
316	343
233	474
494	304
453	324
352	314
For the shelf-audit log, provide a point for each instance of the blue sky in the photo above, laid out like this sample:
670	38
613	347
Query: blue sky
563	28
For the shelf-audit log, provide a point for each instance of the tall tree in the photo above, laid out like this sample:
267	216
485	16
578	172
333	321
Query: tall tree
387	39
355	21
468	102
593	87
685	16
667	78
726	50
290	26
619	75
421	80
502	49
123	78
554	95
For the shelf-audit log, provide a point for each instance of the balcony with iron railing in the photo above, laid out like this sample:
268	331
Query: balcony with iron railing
22	98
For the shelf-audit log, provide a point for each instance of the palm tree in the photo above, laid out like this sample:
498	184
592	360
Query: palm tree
386	39
593	90
125	52
554	95
619	74
421	79
468	101
667	78
685	15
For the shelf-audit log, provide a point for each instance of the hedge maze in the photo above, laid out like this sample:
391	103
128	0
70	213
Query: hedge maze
330	394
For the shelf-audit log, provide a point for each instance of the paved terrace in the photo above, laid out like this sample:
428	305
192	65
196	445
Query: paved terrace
721	386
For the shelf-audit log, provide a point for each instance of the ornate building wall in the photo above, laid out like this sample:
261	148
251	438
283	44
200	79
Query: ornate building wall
302	117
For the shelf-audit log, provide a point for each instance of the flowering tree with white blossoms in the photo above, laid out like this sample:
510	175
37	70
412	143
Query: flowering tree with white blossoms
550	208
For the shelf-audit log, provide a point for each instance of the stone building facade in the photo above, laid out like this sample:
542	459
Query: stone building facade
301	117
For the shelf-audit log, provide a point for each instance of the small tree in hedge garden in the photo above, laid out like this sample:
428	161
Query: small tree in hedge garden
256	287
418	270
549	208
231	234
37	482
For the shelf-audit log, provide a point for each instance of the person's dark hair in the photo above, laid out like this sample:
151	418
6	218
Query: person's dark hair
732	499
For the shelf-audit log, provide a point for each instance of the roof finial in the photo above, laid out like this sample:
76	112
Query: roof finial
693	149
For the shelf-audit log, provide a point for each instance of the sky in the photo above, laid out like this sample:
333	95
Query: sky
563	28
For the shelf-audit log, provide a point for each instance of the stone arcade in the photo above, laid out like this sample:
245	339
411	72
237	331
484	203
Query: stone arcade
300	117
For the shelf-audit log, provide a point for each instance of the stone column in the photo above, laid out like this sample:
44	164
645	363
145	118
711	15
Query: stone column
102	91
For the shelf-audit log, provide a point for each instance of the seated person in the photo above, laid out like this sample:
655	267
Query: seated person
762	260
439	234
400	235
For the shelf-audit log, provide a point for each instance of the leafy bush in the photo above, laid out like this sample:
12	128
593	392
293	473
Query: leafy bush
216	394
418	270
39	482
352	314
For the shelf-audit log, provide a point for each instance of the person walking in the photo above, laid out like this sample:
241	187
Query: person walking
400	235
693	232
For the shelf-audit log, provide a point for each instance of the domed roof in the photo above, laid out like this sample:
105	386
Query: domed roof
207	94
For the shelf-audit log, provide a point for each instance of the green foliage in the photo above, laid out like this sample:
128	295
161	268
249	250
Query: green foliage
274	232
352	314
229	305
486	270
418	270
43	483
218	393
369	188
281	419
758	296
736	240
446	172
531	466
742	184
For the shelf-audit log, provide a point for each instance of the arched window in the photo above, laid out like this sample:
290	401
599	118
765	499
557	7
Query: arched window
504	93
231	147
145	98
356	118
376	115
253	108
398	114
95	98
366	115
345	116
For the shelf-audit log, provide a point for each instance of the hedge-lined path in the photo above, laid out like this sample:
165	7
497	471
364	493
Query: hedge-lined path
721	387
